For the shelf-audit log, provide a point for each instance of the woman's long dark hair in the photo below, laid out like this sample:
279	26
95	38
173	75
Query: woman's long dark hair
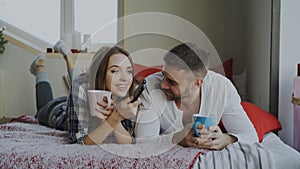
98	68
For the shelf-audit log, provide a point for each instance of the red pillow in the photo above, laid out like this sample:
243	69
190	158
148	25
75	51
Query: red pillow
262	121
142	71
225	69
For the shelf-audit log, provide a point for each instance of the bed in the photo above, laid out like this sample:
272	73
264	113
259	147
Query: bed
26	144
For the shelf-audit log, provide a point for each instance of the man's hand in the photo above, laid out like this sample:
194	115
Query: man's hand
186	137
209	140
218	140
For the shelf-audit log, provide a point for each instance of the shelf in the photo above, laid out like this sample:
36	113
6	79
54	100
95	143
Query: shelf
75	55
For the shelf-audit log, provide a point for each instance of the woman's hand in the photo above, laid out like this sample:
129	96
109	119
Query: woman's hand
103	110
127	109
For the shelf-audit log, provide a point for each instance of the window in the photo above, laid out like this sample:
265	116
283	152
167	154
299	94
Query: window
38	18
35	20
91	16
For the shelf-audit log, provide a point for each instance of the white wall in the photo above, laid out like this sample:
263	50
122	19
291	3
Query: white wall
258	51
288	59
223	22
18	85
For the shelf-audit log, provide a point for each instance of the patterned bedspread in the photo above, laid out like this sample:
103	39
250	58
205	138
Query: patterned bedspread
27	145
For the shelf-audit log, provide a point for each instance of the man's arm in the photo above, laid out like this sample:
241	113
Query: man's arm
235	119
147	129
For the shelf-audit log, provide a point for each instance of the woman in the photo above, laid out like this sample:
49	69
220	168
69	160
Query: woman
112	70
50	112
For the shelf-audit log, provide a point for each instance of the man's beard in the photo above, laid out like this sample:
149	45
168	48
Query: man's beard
173	97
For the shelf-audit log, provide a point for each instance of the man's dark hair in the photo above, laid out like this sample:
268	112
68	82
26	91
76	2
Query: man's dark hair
188	56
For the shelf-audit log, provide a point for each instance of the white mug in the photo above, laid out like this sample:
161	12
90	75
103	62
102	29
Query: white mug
95	96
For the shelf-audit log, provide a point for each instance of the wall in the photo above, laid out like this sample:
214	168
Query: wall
258	51
17	83
222	21
288	59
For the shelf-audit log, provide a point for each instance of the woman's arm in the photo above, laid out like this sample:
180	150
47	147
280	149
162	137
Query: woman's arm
124	109
122	135
98	135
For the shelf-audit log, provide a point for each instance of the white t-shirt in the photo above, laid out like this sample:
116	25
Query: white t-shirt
158	119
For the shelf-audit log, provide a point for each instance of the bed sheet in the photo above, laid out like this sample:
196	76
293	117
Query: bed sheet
27	145
30	145
282	155
285	157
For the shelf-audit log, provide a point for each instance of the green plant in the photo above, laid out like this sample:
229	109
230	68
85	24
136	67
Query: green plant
2	42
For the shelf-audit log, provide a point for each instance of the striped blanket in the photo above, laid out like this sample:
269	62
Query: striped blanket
237	156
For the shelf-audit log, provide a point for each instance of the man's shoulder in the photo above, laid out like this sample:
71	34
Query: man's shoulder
153	86
154	80
158	76
212	76
217	82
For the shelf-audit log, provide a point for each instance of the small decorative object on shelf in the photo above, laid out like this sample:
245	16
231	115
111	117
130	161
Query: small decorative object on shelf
49	50
296	102
2	41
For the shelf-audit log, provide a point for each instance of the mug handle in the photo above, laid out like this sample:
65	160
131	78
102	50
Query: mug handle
109	101
196	133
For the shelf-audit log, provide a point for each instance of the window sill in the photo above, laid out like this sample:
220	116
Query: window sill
74	55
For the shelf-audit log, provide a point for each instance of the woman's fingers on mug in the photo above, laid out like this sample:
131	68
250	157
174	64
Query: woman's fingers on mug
100	114
105	106
103	112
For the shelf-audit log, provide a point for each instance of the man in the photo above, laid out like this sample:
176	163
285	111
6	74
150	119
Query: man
185	87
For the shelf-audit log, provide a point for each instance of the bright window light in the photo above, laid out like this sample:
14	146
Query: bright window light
38	18
41	18
92	15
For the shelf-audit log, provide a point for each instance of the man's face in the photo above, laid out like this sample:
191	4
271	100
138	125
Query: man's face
177	83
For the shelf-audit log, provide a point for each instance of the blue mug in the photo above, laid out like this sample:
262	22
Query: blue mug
207	121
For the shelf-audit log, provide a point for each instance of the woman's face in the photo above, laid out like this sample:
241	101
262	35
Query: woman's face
119	75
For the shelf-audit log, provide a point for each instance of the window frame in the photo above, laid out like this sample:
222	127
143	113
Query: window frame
67	24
